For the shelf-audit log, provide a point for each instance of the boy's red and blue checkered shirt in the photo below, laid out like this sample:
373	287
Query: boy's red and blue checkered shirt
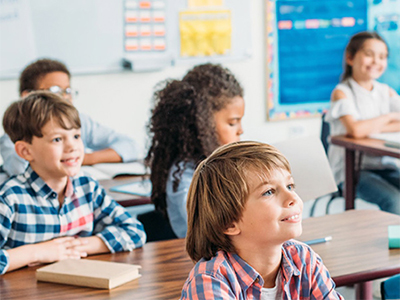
227	276
31	213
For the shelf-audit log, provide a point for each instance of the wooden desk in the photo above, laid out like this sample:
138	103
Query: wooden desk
366	146
124	199
358	252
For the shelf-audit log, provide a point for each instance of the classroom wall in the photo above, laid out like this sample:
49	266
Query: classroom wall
123	100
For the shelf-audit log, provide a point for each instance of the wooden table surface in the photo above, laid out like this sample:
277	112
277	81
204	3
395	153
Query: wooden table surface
357	252
367	145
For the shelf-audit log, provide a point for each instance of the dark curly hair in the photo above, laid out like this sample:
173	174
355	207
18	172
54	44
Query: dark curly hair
33	73
182	125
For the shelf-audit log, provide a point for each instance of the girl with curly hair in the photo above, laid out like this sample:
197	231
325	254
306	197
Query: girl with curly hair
191	118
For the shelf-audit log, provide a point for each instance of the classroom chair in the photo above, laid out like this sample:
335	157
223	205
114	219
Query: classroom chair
325	132
156	226
390	288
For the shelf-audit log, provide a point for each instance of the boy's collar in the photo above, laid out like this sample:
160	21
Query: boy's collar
37	183
288	266
247	274
41	188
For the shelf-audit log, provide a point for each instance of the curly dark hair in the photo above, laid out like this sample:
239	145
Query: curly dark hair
182	125
33	73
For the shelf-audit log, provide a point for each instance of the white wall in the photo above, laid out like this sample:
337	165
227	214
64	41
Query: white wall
123	101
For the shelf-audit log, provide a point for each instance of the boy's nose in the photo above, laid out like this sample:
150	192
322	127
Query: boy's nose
71	145
240	131
291	199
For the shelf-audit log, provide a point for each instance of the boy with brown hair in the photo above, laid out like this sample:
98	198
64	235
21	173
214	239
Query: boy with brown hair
243	213
51	212
107	145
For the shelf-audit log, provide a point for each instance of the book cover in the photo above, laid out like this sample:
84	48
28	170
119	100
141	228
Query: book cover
90	273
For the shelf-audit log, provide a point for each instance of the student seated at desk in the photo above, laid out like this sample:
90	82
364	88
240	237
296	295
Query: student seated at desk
107	145
191	118
52	212
361	106
243	213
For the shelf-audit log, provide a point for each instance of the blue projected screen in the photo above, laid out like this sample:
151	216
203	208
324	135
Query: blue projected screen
306	41
312	36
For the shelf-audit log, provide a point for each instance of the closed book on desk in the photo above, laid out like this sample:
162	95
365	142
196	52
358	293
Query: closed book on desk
90	273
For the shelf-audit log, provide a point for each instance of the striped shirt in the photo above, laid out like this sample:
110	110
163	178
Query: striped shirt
30	213
227	276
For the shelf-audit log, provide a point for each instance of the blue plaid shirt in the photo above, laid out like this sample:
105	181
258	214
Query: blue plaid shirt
30	213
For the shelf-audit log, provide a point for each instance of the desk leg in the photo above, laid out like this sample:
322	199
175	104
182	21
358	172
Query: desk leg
349	187
364	291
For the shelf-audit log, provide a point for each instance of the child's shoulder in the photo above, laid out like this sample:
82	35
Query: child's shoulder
14	187
213	265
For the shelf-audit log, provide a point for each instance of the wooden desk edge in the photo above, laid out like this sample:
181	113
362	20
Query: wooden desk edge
377	148
365	276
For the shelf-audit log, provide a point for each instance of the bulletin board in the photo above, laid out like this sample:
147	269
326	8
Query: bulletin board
306	40
102	36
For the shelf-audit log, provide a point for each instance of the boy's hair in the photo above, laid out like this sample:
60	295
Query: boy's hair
355	44
25	118
33	73
219	191
182	125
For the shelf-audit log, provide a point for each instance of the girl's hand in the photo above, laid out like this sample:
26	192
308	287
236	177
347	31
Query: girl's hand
58	249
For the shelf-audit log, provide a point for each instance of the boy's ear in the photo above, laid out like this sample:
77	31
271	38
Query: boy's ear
233	229
23	150
24	93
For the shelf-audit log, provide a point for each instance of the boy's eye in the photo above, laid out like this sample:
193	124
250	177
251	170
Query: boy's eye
77	136
269	193
57	139
291	187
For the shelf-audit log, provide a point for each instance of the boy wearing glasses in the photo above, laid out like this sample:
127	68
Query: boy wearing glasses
107	145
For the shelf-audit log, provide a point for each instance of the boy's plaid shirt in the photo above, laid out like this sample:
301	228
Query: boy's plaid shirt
30	213
227	276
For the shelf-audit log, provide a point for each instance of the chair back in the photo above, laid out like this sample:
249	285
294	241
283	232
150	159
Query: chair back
156	226
325	132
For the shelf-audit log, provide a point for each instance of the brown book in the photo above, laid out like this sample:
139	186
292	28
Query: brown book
91	273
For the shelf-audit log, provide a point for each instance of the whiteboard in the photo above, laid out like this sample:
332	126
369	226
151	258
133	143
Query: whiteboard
89	36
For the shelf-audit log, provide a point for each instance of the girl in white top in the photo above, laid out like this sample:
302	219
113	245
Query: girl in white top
361	106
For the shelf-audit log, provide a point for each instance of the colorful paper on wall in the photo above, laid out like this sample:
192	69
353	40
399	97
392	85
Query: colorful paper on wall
204	3
205	33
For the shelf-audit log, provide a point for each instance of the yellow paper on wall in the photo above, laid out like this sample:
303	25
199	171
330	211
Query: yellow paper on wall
204	3
205	33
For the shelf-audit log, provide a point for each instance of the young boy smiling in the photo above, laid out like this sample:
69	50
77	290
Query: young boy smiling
107	145
243	212
51	212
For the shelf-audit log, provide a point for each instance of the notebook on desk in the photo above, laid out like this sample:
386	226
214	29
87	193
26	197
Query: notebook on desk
112	170
392	139
140	188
